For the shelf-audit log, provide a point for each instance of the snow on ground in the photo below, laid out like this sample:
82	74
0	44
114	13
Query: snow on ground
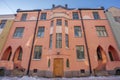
81	78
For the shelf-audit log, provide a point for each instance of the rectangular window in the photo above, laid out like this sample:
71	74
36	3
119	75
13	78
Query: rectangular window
75	15
24	16
96	15
50	44
37	52
101	31
43	16
59	22
77	31
66	23
52	23
67	40
80	52
18	32
2	24
40	32
59	40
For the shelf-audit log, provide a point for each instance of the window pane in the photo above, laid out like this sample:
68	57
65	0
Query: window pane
67	40
50	44
101	31
58	40
40	32
18	32
37	52
80	52
43	16
96	15
75	15
24	16
77	31
59	22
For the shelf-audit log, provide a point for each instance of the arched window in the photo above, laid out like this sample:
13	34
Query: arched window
113	55
7	54
18	54
99	55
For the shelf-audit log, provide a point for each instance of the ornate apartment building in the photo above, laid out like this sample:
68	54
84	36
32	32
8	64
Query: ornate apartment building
60	42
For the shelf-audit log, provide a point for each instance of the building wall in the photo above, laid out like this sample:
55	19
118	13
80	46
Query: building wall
88	26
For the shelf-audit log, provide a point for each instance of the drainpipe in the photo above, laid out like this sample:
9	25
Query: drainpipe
29	63
85	38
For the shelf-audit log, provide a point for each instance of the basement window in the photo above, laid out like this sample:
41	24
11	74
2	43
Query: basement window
35	70
82	71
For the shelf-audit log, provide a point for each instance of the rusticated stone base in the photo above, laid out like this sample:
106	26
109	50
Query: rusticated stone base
41	73
101	73
69	74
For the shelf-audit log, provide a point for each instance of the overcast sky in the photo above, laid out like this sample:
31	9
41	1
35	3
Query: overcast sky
10	6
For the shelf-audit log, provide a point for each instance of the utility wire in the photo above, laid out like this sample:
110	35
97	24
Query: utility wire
8	6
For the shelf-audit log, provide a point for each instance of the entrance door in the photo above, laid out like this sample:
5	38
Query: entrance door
58	67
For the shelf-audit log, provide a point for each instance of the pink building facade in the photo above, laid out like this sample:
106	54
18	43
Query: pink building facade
61	42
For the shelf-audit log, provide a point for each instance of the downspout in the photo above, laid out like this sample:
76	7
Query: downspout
29	63
85	38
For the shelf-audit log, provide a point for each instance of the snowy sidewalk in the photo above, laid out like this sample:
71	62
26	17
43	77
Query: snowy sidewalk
81	78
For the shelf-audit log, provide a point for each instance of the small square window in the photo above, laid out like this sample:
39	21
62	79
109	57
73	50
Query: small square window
43	16
35	70
96	15
24	16
75	15
82	71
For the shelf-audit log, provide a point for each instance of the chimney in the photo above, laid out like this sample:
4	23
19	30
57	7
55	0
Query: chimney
102	7
53	5
66	6
18	10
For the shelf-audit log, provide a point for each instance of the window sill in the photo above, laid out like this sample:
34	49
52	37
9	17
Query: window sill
39	37
80	59
78	37
102	36
17	37
36	59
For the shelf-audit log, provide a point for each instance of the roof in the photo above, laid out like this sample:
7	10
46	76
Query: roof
59	6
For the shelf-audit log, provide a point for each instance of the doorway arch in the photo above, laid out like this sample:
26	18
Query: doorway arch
18	57
113	55
7	54
101	58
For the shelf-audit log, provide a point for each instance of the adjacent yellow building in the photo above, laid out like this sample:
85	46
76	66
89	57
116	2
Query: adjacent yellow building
6	22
